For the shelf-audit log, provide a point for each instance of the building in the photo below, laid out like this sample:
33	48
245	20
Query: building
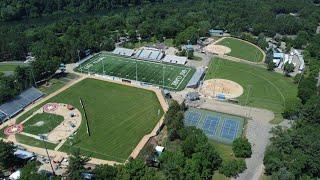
196	78
216	32
193	96
24	155
175	59
278	58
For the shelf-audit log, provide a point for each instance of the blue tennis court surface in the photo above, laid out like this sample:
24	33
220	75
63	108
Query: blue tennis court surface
229	129
217	126
210	125
192	118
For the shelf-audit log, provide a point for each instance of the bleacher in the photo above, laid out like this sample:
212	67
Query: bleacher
149	54
2	117
123	51
16	105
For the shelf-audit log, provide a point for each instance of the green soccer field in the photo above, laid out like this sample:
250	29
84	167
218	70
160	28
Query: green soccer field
175	77
242	50
266	89
119	116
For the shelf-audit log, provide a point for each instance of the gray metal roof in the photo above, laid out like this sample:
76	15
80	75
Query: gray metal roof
196	77
16	105
123	51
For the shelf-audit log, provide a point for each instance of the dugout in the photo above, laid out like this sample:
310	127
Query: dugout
196	78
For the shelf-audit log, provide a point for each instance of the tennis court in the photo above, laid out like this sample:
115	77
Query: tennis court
173	77
217	126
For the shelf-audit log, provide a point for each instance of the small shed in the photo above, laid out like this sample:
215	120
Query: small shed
193	96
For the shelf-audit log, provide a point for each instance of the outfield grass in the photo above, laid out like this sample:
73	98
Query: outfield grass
243	50
268	90
119	116
33	142
50	121
175	77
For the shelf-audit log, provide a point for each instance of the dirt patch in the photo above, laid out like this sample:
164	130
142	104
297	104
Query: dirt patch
217	49
221	88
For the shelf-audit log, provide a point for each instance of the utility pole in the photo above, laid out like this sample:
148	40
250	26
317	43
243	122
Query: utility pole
102	61
136	70
43	137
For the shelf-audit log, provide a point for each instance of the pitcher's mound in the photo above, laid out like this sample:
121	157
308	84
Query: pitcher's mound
221	88
217	49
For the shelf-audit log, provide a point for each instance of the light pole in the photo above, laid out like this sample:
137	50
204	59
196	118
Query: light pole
43	137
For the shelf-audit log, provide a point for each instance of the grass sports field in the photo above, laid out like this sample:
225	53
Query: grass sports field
175	77
242	49
42	123
119	116
266	89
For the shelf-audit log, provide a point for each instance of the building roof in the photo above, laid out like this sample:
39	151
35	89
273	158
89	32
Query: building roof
216	31
196	77
193	95
123	51
149	54
175	59
23	154
278	55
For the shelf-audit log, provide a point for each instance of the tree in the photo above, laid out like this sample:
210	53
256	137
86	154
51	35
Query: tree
242	148
172	164
310	110
288	68
271	65
134	169
105	172
292	108
76	164
7	158
30	172
233	168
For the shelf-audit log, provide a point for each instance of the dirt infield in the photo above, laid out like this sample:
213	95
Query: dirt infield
217	49
71	122
215	87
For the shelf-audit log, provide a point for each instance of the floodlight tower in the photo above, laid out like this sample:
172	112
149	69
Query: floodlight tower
43	138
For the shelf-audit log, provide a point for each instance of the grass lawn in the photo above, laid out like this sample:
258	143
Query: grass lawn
42	123
243	50
119	116
9	67
56	83
175	77
33	142
268	90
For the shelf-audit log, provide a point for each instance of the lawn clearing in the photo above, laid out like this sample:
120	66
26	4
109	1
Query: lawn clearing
268	90
175	77
42	123
119	116
7	67
241	49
